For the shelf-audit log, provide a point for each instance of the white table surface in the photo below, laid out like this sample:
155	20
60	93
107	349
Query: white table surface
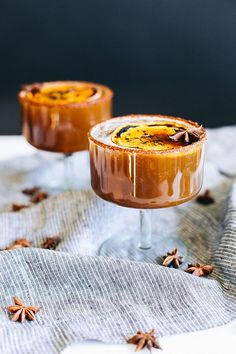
221	340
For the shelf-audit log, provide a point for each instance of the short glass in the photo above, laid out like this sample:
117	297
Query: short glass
56	116
144	180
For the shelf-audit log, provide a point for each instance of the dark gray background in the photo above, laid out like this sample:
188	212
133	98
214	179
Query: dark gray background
160	56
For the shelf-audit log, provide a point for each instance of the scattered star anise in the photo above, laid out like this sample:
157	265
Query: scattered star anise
21	243
144	340
38	197
30	191
17	207
205	198
21	312
172	259
51	243
199	269
188	136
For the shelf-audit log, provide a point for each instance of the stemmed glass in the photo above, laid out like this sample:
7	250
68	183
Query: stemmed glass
56	117
161	166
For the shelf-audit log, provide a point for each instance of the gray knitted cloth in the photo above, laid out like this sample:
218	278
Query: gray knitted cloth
84	296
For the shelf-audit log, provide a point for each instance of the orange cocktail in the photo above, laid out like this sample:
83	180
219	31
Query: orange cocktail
56	116
145	162
136	162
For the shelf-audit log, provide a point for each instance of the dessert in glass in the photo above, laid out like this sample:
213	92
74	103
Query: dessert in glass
56	116
145	162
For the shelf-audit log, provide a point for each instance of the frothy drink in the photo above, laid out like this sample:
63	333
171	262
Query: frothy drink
56	116
143	161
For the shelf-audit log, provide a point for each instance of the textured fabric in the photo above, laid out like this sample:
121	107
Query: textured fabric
84	296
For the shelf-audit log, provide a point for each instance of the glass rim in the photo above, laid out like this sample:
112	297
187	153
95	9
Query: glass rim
184	148
108	93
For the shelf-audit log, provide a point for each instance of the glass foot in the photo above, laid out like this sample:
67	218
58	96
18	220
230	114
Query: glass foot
127	247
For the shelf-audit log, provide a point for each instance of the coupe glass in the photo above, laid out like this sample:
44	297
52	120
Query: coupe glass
144	180
56	117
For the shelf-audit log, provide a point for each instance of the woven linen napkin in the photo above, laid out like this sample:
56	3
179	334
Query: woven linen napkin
84	296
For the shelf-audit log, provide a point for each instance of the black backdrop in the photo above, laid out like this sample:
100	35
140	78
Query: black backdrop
160	56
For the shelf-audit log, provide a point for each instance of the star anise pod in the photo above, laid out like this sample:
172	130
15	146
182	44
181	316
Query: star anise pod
188	136
30	191
199	269
51	243
144	340
35	90
20	243
172	259
21	312
17	207
205	198
38	197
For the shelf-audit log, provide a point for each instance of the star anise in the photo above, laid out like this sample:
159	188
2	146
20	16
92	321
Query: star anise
144	340
17	207
35	90
205	198
172	259
30	191
188	136
20	243
38	197
21	312
199	269
51	243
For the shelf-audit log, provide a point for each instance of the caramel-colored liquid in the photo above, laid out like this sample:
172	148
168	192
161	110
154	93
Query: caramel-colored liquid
57	116
146	175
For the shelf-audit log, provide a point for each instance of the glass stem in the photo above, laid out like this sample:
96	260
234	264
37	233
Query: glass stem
67	170
145	229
